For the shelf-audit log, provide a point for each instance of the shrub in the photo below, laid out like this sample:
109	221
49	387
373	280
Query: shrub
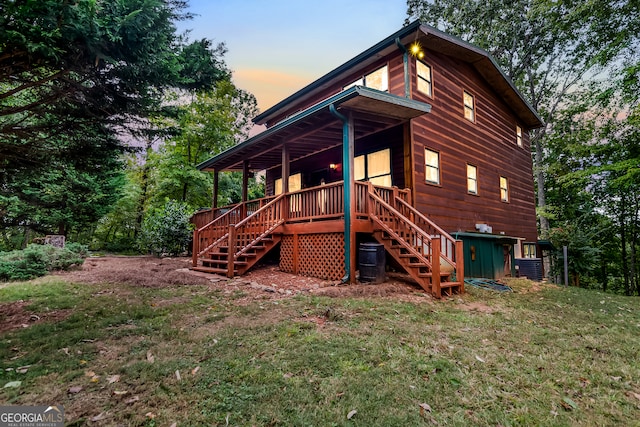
167	230
37	260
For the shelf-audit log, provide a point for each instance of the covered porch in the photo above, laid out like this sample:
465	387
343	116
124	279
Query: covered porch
317	218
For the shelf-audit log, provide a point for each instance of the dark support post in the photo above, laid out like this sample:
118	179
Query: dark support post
460	264
285	169
216	183
232	250
348	137
285	181
245	180
435	267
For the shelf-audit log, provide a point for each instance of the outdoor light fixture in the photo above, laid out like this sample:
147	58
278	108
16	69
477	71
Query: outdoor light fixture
416	50
333	166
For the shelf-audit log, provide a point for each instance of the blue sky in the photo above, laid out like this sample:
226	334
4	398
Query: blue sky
277	47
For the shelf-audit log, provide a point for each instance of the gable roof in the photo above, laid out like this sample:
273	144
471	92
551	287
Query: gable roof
432	39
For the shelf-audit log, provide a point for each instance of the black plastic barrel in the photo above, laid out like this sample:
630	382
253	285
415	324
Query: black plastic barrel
372	261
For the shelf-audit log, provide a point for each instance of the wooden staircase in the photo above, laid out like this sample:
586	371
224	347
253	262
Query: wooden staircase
427	253
223	247
236	240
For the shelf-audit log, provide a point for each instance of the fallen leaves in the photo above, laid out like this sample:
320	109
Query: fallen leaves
150	357
568	404
13	384
351	414
113	379
633	394
75	389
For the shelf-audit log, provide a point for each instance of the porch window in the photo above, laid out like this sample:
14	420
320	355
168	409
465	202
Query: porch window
519	136
378	79
424	78
529	250
374	167
472	179
469	107
295	184
504	189
432	166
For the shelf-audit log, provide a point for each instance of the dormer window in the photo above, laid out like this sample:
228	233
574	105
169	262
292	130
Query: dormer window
378	79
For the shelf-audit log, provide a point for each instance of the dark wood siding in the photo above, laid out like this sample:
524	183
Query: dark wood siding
396	85
489	144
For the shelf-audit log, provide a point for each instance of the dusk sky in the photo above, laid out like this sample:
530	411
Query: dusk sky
277	47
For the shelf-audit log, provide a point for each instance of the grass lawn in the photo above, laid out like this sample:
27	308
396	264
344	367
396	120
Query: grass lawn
120	354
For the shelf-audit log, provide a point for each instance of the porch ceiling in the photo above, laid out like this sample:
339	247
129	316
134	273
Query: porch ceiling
316	129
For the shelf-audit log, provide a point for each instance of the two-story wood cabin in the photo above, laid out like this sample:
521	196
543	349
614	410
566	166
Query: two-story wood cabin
418	143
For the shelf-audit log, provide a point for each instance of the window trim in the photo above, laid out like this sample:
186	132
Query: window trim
362	80
437	168
531	249
365	164
275	185
419	78
475	180
507	197
519	136
466	107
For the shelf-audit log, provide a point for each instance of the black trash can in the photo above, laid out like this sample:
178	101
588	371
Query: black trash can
371	259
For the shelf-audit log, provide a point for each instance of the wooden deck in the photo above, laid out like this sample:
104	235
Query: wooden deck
309	226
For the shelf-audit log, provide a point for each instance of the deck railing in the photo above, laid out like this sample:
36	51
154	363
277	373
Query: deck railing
317	203
242	225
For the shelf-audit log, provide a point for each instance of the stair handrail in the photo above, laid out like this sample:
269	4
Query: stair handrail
197	251
439	231
265	231
373	195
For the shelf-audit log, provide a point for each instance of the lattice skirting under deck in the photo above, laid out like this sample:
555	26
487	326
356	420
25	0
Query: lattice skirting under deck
318	255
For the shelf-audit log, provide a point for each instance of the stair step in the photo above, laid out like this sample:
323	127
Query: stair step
449	284
213	270
222	262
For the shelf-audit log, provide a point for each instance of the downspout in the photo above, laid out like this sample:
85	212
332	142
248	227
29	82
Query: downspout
346	178
405	61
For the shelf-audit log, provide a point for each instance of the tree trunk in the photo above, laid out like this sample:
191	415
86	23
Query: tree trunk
144	187
623	242
542	200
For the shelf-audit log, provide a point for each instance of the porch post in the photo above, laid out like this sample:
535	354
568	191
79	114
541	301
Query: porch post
348	137
285	169
216	183
350	184
245	180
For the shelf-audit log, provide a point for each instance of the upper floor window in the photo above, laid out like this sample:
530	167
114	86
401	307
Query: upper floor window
295	184
378	79
472	179
374	167
519	136
432	166
504	189
469	107
425	84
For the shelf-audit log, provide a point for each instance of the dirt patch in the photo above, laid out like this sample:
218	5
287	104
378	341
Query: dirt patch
145	271
477	306
15	315
264	282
